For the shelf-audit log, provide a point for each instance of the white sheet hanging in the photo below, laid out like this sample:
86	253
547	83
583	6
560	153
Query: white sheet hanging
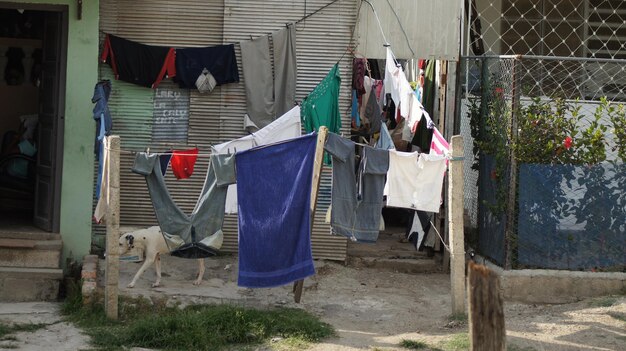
285	127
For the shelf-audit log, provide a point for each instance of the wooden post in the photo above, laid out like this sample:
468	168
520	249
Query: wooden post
455	225
315	186
112	272
486	314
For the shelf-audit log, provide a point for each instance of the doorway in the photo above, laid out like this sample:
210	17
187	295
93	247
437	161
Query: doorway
33	47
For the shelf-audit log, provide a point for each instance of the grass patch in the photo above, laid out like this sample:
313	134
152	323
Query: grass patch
413	345
618	315
607	301
7	329
458	342
458	317
149	324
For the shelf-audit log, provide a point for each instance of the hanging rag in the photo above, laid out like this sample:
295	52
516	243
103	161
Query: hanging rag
275	216
384	140
393	74
286	127
356	118
357	200
285	69
198	235
137	63
321	106
219	61
358	73
424	133
415	180
439	145
183	161
14	70
164	159
419	227
257	74
102	187
373	112
104	124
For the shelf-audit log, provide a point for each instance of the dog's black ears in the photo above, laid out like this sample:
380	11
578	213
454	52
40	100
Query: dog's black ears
130	239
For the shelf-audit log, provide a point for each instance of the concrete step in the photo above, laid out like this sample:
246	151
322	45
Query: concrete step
388	245
19	284
401	265
32	253
32	235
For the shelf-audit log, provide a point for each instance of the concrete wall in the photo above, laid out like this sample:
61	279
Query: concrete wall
78	158
555	286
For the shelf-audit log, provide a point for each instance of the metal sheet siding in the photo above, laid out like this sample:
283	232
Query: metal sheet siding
432	28
216	117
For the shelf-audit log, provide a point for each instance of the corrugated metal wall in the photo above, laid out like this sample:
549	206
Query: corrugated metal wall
432	28
321	41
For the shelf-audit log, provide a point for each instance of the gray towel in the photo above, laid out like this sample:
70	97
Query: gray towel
285	69
257	74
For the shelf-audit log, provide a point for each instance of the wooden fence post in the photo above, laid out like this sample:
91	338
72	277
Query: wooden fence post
486	314
315	187
455	226
112	272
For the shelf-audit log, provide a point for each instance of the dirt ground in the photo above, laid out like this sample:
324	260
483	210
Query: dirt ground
370	309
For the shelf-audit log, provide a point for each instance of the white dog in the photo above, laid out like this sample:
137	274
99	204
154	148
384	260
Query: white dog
153	244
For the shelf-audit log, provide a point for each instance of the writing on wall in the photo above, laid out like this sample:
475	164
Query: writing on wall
171	113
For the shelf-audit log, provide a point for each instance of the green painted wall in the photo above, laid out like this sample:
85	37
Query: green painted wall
78	157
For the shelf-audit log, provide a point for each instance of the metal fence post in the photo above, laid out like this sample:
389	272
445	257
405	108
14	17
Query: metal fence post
113	231
455	226
510	238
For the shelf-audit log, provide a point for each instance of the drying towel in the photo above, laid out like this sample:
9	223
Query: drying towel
256	66
136	63
285	69
219	60
183	161
274	196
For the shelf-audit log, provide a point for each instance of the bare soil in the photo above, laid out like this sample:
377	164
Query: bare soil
369	307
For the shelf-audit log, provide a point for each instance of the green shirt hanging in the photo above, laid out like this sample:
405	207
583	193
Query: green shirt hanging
321	107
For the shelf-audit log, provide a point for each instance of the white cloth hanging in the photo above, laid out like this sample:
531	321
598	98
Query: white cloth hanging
285	127
415	180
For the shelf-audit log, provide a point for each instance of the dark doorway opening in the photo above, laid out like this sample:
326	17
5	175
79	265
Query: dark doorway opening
33	47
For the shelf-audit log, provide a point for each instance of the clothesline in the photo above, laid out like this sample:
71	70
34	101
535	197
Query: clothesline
439	235
133	152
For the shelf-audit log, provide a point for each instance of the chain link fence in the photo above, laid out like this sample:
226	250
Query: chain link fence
573	28
546	187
